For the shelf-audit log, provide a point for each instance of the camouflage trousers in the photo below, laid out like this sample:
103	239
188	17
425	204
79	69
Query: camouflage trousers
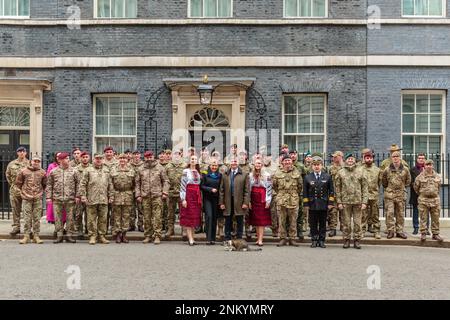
351	211
32	211
81	214
334	214
172	207
58	207
137	209
16	206
302	219
122	215
96	219
165	214
371	217
435	212
287	215
395	214
152	208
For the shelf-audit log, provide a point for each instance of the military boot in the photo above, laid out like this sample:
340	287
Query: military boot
147	240
293	243
37	240
377	235
141	229
157	240
283	242
118	237
356	244
332	233
170	232
70	239
25	240
92	240
102	240
59	239
124	237
437	237
346	244
423	237
300	235
15	232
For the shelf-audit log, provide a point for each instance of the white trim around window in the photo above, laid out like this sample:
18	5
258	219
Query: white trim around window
203	16
298	16
442	15
308	134
112	136
17	16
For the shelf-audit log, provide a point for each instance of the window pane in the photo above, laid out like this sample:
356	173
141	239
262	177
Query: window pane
303	144
304	105
317	124
102	106
10	7
435	7
408	7
421	7
115	126
131	9
408	144
129	126
290	105
196	8
317	144
117	144
4	137
408	103
128	143
421	123
304	124
224	8
422	103
210	8
290	9
317	105
101	143
291	141
24	7
434	145
435	123
24	139
101	125
408	123
435	103
305	8
319	8
117	7
115	106
421	144
290	124
103	8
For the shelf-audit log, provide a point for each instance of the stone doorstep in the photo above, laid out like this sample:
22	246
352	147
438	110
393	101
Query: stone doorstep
335	240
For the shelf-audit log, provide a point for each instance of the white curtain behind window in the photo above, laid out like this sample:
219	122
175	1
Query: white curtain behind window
305	8
421	7
10	7
103	7
224	7
210	8
196	8
24	7
290	9
435	7
131	9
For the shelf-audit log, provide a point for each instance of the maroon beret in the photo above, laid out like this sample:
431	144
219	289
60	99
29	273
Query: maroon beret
148	154
108	148
84	153
63	155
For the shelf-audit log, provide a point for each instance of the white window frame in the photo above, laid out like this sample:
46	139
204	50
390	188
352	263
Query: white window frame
17	16
442	134
94	113
203	12
301	17
325	119
110	11
443	13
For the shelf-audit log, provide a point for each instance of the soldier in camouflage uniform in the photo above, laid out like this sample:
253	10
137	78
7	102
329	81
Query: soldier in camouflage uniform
76	153
62	191
395	179
109	162
96	190
204	159
174	173
351	196
334	214
31	182
137	164
300	219
80	208
12	170
427	185
163	162
288	187
123	181
387	162
371	215
152	188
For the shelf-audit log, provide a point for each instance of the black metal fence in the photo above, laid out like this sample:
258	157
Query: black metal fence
441	164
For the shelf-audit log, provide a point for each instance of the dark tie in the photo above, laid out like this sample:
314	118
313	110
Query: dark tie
317	176
232	182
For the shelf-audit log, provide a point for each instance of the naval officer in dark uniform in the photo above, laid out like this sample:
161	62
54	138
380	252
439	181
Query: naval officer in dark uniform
318	197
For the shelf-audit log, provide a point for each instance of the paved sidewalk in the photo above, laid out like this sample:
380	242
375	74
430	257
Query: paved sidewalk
413	240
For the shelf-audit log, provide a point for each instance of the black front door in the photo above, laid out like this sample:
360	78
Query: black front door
214	140
10	140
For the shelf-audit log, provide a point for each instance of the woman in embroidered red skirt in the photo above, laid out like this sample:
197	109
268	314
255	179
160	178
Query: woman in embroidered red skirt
191	200
261	196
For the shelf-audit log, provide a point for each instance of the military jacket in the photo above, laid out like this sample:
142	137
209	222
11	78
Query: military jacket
351	186
123	180
31	182
12	170
96	185
427	187
395	182
174	173
373	176
287	187
63	184
318	194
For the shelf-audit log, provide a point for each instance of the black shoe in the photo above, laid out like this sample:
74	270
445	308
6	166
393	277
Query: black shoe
313	244
132	228
141	229
346	244
322	244
416	231
356	244
59	239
